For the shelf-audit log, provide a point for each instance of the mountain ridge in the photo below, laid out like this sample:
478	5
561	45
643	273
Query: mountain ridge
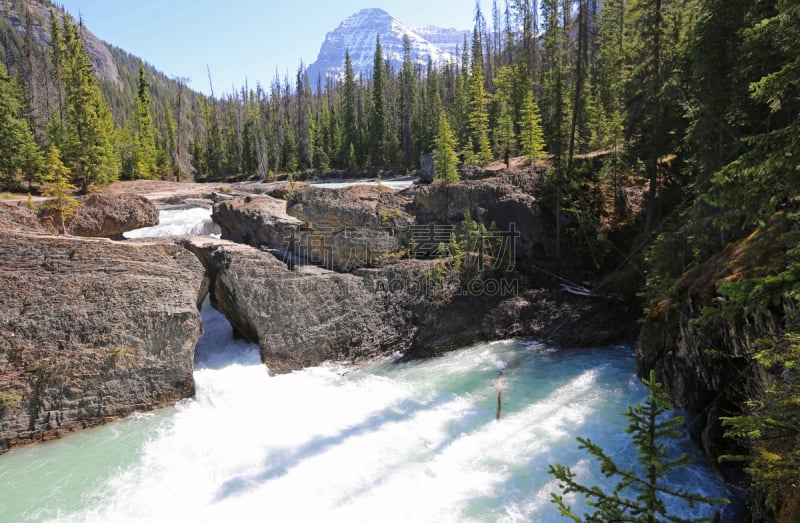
357	34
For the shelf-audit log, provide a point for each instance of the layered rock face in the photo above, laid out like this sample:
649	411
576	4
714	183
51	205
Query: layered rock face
706	365
258	221
509	202
107	215
303	313
349	228
91	330
14	217
341	229
304	317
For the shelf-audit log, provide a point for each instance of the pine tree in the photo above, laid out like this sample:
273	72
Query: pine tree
766	175
581	65
378	113
478	113
58	187
504	136
144	154
57	55
408	104
648	429
171	139
31	160
291	162
90	153
552	87
655	39
531	137
608	77
351	135
445	159
553	102
19	154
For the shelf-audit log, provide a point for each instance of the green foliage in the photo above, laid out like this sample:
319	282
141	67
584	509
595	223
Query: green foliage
638	496
19	155
410	127
58	187
352	163
377	131
553	74
768	173
770	426
349	114
89	149
445	159
531	136
10	401
740	144
144	152
504	136
770	423
479	115
389	215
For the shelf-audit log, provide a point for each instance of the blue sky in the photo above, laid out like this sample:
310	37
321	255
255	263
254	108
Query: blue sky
243	40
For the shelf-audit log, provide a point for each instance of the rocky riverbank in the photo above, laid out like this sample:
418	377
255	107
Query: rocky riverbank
95	329
91	330
705	359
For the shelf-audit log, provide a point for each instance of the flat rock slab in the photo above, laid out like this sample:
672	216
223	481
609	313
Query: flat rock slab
106	215
91	330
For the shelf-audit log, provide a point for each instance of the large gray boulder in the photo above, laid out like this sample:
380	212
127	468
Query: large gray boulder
508	202
303	317
260	221
92	330
342	229
107	215
306	316
353	227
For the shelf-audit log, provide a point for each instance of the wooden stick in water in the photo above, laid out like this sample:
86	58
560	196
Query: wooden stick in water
499	394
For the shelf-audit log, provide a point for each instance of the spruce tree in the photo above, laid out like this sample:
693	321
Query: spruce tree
378	113
531	136
478	114
90	152
19	154
639	495
445	159
408	105
144	155
459	108
504	136
31	160
349	115
58	187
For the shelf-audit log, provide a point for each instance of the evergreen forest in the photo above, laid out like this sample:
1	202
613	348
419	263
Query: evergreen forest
694	105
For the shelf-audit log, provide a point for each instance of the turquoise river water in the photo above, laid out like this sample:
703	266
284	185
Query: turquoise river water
394	441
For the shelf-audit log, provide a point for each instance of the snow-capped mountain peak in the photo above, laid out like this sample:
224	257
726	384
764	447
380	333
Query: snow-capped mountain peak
357	34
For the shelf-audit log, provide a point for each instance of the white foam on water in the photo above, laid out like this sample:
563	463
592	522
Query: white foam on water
396	185
194	221
413	441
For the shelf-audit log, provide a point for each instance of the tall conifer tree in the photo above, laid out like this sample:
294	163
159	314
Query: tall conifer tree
378	115
91	155
144	157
